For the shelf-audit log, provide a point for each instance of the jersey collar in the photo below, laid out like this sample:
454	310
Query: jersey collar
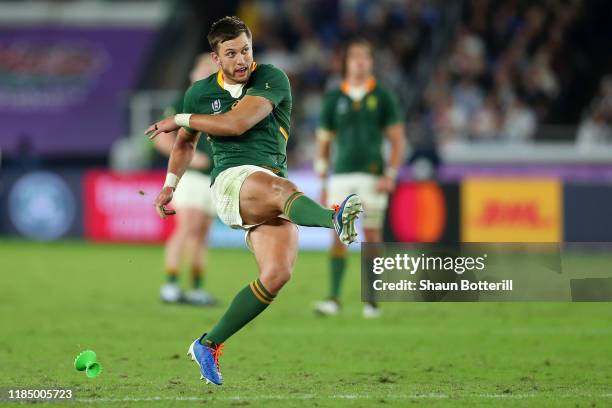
221	80
370	85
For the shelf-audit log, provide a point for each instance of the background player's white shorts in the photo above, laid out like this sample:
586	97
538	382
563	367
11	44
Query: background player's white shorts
363	184
193	191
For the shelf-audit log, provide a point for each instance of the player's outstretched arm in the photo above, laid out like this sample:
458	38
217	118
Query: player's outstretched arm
246	114
180	157
164	143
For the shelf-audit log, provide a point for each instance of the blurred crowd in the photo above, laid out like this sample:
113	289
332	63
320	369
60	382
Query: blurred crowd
304	38
509	67
504	72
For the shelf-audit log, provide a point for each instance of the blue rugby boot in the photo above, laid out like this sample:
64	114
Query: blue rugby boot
344	219
207	359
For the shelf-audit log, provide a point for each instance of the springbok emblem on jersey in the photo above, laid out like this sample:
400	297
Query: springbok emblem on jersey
216	105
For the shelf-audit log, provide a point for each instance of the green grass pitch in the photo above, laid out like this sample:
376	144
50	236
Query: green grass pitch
59	299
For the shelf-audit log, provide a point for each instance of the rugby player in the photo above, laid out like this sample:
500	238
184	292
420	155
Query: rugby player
245	110
356	117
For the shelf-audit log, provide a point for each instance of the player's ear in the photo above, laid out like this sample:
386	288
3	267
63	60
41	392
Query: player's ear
215	58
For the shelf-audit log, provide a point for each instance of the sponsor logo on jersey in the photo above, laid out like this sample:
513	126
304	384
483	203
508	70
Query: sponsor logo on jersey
372	102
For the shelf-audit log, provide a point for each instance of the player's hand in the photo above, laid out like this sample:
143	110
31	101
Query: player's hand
163	199
163	126
385	184
199	162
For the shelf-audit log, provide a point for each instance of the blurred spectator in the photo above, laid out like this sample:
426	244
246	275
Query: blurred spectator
486	121
519	122
596	128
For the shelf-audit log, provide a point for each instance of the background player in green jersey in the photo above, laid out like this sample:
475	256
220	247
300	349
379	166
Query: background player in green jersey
195	208
245	110
357	116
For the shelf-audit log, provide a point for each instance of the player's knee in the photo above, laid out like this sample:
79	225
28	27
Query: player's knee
193	232
274	278
283	189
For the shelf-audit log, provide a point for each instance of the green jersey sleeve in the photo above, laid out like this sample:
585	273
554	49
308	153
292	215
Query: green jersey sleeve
270	83
328	108
392	113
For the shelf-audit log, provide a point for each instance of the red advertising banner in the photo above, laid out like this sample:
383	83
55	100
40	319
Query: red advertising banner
423	212
119	207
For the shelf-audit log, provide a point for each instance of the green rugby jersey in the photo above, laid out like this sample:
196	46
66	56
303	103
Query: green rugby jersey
265	144
203	145
359	127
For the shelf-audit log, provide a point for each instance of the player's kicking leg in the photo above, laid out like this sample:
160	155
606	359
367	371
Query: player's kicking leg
263	197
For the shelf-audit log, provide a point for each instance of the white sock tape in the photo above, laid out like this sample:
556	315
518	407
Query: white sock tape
171	180
391	172
182	119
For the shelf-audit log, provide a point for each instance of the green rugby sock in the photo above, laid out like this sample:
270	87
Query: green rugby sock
171	275
248	303
338	266
304	211
197	277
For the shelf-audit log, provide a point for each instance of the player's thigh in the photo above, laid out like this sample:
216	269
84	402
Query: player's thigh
183	219
275	245
262	196
197	221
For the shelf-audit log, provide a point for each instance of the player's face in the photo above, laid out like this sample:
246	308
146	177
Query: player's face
235	57
359	61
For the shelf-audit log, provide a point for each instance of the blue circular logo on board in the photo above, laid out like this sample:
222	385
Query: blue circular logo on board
41	206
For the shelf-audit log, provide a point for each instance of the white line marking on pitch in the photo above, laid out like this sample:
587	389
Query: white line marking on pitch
342	396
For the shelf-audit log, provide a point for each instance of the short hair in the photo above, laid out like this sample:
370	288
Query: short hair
362	41
224	29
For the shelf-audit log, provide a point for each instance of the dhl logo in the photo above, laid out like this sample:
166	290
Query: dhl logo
511	210
513	213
